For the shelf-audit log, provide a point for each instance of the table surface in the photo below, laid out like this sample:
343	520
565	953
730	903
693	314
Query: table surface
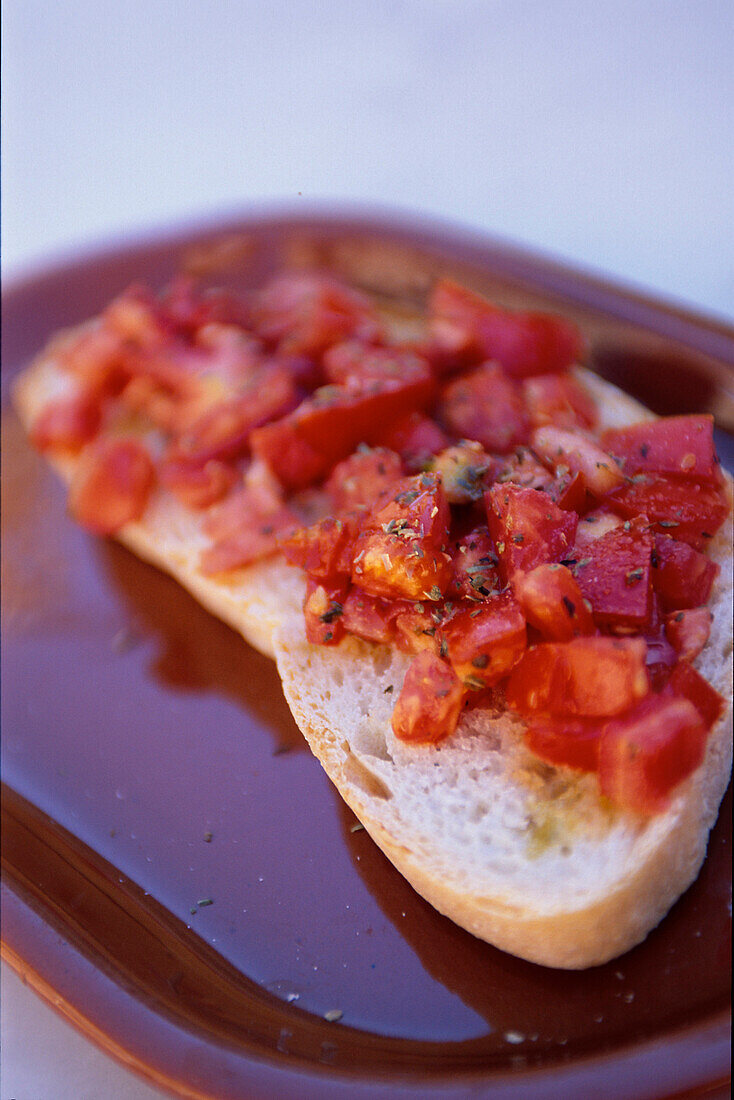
601	135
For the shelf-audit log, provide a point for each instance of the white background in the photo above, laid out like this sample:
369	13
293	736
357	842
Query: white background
601	132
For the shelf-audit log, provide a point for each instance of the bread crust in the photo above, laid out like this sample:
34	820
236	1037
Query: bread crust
338	698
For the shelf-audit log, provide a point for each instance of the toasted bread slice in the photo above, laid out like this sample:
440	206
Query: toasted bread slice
528	857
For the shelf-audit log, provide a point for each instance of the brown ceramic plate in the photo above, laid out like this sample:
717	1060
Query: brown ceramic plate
180	879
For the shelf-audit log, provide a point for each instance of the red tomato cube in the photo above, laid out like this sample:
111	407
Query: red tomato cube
587	677
528	528
553	603
429	703
645	754
679	445
485	641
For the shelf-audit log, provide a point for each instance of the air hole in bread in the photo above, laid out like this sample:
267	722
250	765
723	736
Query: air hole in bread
359	775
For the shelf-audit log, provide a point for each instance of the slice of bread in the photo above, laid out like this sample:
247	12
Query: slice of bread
524	855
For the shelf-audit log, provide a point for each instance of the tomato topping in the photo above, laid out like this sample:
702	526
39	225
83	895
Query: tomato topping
687	683
429	703
522	468
475	561
370	617
325	549
568	491
224	431
590	677
416	438
682	577
325	428
688	631
363	478
323	608
357	361
570	742
645	754
552	602
186	308
484	641
661	657
304	313
558	399
614	575
561	448
468	327
679	445
679	507
418	627
595	524
245	527
466	471
486	406
528	528
94	356
400	554
67	423
111	484
196	485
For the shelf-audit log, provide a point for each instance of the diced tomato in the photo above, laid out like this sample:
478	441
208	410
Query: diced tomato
304	313
187	308
224	431
466	470
401	551
485	641
595	524
304	446
235	357
245	527
323	608
470	328
587	677
561	448
486	406
429	703
688	683
552	602
684	509
475	561
94	355
355	360
558	399
614	575
571	742
416	438
196	485
528	528
522	468
361	479
418	626
568	491
688	631
370	617
645	754
67	423
111	484
679	445
661	657
682	577
325	549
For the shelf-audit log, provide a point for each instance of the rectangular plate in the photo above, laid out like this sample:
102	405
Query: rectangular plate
179	877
